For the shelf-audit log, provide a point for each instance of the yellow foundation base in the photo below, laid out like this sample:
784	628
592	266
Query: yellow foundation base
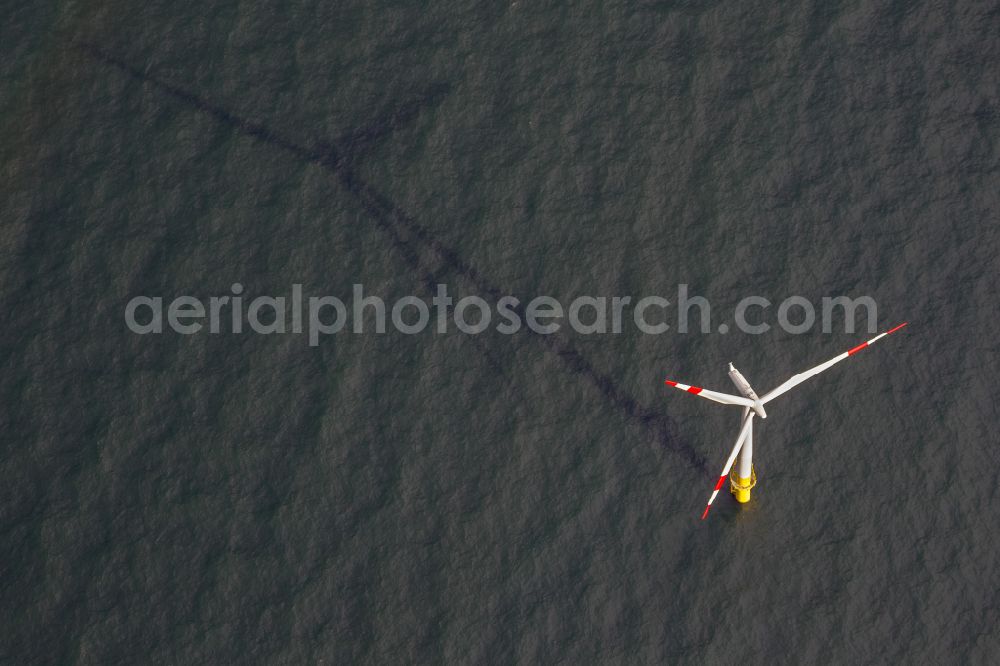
740	487
742	491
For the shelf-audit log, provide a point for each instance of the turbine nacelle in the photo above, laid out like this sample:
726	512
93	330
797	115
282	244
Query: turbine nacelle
744	386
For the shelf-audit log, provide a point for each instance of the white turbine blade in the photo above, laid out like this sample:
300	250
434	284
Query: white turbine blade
729	463
724	398
795	380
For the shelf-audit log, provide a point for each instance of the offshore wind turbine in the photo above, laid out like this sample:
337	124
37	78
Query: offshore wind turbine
745	478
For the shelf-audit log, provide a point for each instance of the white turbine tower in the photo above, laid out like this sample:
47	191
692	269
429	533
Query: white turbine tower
745	478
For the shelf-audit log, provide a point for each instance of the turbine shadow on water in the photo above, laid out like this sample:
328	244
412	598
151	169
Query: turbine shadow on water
412	240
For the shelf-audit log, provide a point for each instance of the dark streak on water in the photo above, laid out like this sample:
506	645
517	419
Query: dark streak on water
338	158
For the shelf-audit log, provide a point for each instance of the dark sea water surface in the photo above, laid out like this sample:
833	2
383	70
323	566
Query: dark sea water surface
241	498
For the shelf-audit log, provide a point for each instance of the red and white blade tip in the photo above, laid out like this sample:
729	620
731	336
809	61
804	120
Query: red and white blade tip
855	350
715	491
684	387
